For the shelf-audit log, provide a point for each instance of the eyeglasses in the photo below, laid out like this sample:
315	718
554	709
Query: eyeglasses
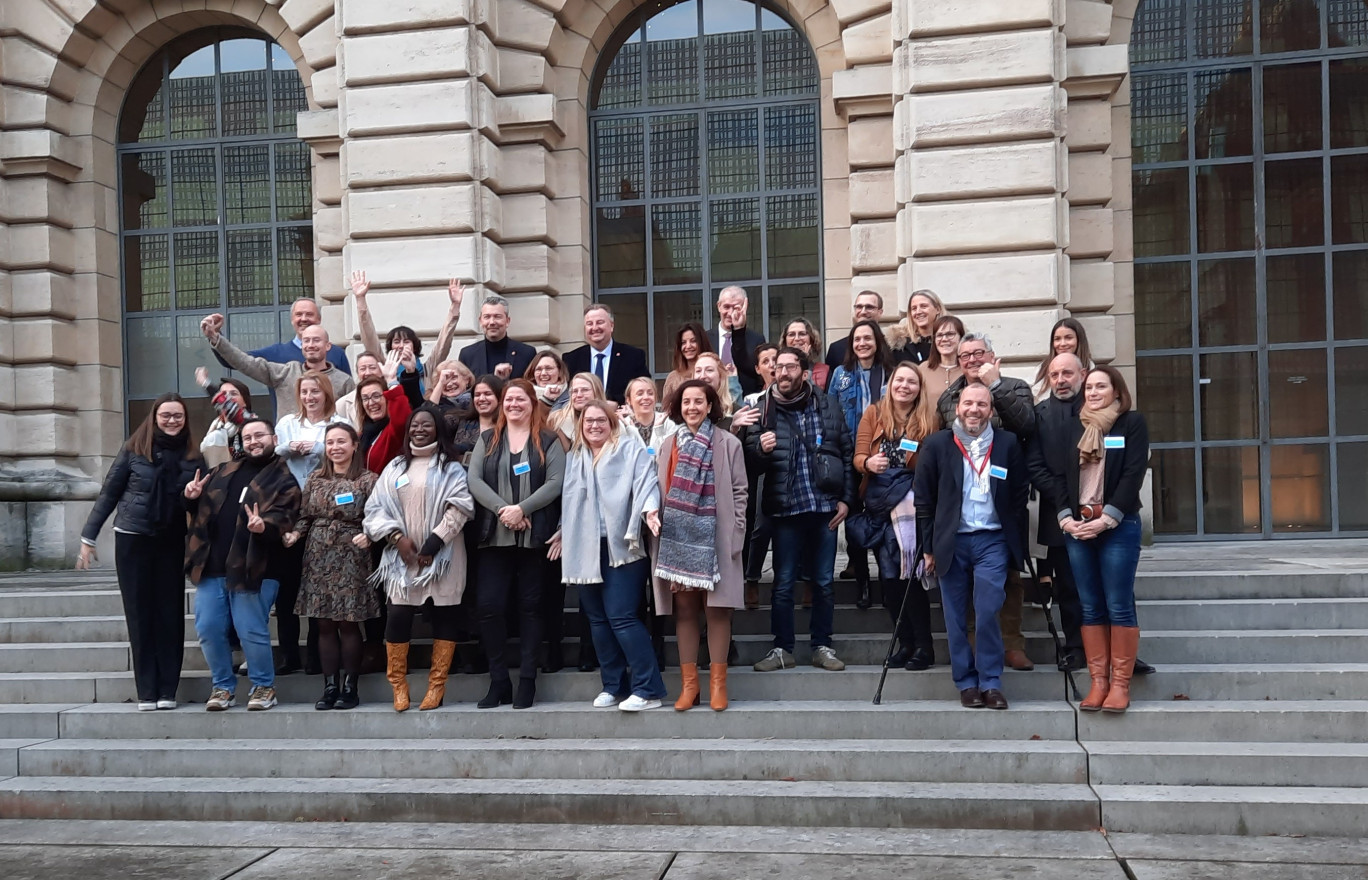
950	335
598	423
372	398
788	368
171	417
966	356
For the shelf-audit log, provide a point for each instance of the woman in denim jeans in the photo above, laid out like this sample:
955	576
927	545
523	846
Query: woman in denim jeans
1102	532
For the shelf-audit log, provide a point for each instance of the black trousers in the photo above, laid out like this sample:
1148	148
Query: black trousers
511	575
1066	597
152	584
915	631
444	619
287	622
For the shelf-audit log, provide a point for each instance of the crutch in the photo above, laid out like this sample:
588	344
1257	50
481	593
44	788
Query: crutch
1045	600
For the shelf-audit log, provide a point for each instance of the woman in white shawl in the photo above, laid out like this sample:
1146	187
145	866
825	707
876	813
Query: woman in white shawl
611	489
419	504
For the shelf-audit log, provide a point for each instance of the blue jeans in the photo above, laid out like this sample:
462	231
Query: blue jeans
627	662
216	608
798	539
977	575
1104	571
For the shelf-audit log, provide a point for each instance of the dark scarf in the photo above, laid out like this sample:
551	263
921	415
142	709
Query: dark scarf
167	452
798	402
370	431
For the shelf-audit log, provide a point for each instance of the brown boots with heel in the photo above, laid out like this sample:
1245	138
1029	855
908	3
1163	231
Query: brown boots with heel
1111	654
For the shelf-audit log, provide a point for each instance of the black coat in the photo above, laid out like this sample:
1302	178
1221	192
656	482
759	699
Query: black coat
939	490
744	344
1047	457
1124	471
481	362
779	465
628	363
127	492
1013	405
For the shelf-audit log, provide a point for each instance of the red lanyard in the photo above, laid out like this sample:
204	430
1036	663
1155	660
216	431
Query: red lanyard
978	471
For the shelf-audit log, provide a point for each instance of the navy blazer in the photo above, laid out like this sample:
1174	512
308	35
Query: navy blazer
629	362
939	495
476	356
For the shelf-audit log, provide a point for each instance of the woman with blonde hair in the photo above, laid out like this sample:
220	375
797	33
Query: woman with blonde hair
612	491
911	339
583	388
890	433
640	412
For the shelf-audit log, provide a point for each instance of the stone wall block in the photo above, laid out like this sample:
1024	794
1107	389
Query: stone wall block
369	16
519	168
524	217
926	18
1092	285
391	109
422	159
863	91
303	15
327	180
978	172
985	60
977	227
329	229
519	71
95	248
991	282
530	266
42	293
870	142
871	194
986	116
869	42
873	247
36	200
1089	125
319	46
1102	328
518	24
34	246
1090	232
324	87
848	11
405	211
419	260
44	341
1018	335
1087	22
836	244
1090	179
46	387
35	67
444	53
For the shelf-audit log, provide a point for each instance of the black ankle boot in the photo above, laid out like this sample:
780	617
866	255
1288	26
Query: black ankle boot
555	659
863	599
330	693
527	693
922	658
500	694
348	699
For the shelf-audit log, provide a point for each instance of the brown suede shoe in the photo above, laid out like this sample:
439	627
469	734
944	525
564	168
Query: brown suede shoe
971	698
1018	661
994	699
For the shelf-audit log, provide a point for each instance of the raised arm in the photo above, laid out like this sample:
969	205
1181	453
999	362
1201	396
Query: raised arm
456	293
257	368
370	340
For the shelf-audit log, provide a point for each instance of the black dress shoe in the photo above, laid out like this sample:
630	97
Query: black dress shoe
900	656
922	658
287	665
587	665
500	694
330	693
994	699
527	693
1142	668
554	662
1073	660
971	698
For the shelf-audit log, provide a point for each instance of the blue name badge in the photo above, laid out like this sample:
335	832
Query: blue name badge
650	450
1113	442
521	468
819	440
908	445
401	482
344	498
997	473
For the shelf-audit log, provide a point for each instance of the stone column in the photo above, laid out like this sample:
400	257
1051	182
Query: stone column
981	174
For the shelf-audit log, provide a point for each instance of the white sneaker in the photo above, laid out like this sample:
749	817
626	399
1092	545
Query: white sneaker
146	706
605	700
220	700
166	704
638	704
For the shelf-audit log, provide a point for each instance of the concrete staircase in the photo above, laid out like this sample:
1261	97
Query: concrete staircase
1254	724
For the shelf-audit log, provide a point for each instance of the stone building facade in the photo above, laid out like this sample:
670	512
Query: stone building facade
979	148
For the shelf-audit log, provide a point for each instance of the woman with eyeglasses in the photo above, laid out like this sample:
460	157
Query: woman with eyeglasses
800	333
941	368
143	489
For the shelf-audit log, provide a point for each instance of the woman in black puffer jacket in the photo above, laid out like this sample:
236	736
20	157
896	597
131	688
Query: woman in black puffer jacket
143	490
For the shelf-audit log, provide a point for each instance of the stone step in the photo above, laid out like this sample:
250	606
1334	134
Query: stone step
1240	763
9	754
1350	580
19	604
1252	614
32	721
1241	810
225	797
1230	721
464	758
854	719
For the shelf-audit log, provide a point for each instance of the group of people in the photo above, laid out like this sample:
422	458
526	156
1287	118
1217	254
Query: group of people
473	490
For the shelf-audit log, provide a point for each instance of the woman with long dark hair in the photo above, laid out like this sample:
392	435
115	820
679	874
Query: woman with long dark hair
1067	336
143	490
333	591
690	341
419	505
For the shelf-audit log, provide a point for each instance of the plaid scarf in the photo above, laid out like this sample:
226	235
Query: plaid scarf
688	527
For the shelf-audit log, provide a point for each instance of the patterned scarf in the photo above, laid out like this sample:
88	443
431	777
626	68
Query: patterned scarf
978	449
688	528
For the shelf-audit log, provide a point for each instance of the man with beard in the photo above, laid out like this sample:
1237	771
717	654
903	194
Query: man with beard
239	511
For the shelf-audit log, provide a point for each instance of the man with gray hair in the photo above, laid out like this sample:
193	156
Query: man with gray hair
496	353
735	343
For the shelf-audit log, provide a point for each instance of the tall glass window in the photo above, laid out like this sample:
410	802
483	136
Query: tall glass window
216	209
706	172
1249	139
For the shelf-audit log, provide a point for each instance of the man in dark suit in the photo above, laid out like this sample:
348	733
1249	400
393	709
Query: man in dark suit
733	342
496	353
615	363
971	489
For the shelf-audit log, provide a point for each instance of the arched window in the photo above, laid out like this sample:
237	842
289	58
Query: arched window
706	173
217	216
1250	159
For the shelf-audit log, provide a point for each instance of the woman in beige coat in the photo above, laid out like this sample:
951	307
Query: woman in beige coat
698	570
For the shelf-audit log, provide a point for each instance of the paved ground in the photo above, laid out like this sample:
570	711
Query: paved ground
58	850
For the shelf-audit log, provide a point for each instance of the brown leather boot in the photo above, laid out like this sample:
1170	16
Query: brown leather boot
396	670
1097	645
717	686
442	652
688	692
1125	643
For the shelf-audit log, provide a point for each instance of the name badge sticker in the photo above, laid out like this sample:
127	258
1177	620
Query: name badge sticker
650	450
344	498
906	445
997	473
1113	442
402	481
521	468
243	496
819	440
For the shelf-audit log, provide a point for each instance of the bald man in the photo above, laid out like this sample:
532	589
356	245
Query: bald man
281	378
